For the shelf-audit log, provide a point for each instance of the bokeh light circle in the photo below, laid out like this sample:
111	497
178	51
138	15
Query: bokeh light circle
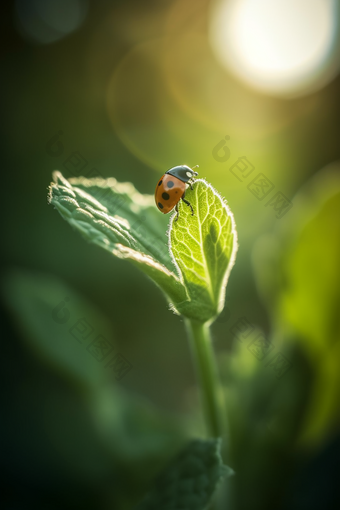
47	21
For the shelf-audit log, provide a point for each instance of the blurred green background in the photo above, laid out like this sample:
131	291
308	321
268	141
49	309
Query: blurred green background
135	88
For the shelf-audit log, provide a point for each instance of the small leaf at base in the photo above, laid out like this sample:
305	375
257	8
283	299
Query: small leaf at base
189	482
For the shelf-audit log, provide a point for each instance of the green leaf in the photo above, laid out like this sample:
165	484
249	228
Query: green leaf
117	226
204	249
54	320
298	274
189	482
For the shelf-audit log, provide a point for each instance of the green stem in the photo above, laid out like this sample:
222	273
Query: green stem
208	377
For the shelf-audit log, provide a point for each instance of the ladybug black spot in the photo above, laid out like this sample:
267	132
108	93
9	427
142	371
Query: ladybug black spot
165	195
160	182
160	205
171	184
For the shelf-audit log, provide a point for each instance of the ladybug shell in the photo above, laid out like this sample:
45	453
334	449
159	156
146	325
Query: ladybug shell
169	191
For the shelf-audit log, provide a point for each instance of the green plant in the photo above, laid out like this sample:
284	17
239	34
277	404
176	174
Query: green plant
192	270
117	443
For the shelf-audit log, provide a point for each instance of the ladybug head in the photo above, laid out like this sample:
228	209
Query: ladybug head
183	172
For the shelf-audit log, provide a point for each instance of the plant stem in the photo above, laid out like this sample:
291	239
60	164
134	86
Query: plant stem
211	395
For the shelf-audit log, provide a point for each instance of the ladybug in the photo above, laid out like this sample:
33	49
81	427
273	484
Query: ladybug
172	186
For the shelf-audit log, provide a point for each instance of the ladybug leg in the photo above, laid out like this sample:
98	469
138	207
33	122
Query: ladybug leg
191	182
177	215
188	203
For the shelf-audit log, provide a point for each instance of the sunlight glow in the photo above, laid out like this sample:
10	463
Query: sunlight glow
283	47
